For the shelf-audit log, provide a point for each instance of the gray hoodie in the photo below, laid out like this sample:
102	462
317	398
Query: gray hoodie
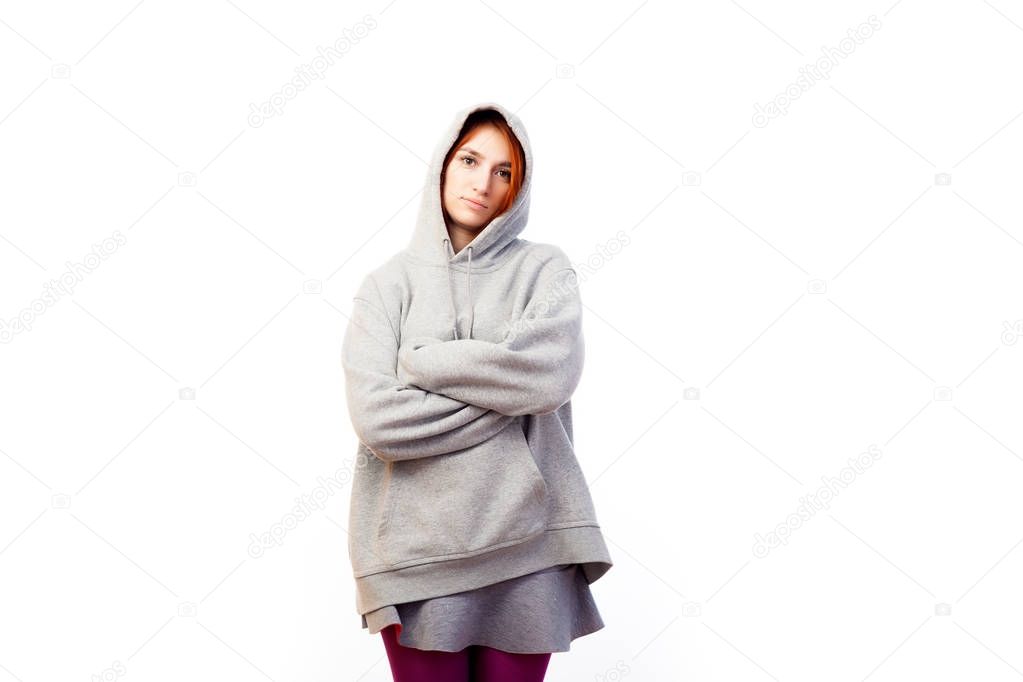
459	369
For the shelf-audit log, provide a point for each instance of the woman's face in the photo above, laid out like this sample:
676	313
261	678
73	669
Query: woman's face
477	179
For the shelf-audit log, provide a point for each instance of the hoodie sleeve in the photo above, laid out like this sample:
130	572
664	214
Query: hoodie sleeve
534	370
396	421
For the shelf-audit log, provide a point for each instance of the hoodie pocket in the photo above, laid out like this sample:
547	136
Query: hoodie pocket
466	502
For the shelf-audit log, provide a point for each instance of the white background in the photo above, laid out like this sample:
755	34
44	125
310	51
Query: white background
817	284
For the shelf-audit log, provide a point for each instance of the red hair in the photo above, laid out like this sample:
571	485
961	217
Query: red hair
518	161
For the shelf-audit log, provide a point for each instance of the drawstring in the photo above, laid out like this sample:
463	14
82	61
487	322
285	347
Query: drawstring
468	290
468	294
454	310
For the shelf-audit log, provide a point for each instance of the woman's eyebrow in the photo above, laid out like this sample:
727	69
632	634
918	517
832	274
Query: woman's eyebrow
476	153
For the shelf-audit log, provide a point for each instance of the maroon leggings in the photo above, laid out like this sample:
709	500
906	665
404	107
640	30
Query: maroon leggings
474	663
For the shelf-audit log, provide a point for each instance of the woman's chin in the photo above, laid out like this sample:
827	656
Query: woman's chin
472	221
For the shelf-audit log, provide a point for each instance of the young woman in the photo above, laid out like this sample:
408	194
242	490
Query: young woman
472	534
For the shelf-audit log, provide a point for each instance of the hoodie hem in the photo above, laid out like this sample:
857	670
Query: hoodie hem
582	545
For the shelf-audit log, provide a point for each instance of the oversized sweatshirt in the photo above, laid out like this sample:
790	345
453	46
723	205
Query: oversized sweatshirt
459	371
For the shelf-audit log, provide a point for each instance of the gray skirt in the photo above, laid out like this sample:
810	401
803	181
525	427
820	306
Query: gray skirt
539	612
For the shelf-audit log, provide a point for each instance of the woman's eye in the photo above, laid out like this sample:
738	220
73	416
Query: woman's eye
506	173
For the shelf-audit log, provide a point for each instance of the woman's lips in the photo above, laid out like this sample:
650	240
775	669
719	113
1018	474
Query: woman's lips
473	205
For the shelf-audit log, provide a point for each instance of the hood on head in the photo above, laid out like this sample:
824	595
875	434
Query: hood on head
430	231
430	240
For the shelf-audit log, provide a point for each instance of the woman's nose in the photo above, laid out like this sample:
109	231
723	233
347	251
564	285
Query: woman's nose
482	184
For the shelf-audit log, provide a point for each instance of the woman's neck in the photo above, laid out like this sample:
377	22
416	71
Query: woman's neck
461	237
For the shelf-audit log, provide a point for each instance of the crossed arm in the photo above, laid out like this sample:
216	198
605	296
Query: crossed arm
534	370
456	394
396	421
